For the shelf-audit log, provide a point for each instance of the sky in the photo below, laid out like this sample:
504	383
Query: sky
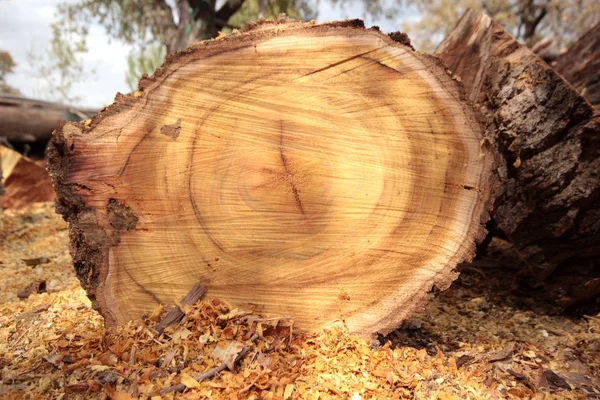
25	28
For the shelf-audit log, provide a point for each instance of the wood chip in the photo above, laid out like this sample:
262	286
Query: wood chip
503	354
34	262
38	286
175	314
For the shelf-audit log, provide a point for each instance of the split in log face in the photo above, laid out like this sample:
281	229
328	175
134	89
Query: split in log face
323	172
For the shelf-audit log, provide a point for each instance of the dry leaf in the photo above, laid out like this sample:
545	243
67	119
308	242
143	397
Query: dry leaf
207	337
99	368
227	353
504	353
188	381
230	315
181	334
115	395
289	389
34	262
155	316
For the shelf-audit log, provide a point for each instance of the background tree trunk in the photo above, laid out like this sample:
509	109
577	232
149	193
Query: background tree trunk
325	172
548	138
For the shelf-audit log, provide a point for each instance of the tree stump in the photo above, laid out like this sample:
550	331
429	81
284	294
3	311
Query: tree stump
324	172
548	138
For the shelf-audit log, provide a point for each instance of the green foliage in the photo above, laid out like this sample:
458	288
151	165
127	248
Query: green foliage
144	62
7	65
526	20
149	25
297	9
135	22
62	66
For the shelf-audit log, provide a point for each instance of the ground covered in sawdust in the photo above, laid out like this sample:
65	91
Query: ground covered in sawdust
492	335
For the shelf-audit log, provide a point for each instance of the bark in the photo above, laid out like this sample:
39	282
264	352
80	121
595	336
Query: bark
548	138
24	181
324	172
580	66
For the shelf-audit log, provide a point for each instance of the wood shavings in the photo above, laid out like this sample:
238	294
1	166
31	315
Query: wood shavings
54	344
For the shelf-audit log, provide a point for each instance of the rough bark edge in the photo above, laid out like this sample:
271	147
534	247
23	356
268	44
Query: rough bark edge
90	257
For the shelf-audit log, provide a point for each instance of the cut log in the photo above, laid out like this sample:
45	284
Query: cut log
580	66
549	141
324	172
25	181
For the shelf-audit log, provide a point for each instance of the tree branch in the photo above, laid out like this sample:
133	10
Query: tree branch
183	11
225	12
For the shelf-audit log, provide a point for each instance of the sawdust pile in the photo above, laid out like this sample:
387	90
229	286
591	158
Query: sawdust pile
490	336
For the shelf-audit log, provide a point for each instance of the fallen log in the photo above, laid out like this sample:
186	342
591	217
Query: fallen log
548	138
325	172
29	120
580	66
25	182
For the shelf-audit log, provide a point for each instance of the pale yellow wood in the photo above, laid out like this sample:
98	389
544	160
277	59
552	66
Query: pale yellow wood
23	181
9	158
322	172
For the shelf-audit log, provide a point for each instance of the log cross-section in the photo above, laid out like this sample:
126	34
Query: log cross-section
323	172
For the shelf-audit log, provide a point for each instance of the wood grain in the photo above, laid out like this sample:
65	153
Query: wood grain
324	172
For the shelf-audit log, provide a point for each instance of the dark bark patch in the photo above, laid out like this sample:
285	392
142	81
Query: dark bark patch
401	37
349	23
172	130
120	216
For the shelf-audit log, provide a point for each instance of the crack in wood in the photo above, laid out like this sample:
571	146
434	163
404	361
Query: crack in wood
345	60
288	176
